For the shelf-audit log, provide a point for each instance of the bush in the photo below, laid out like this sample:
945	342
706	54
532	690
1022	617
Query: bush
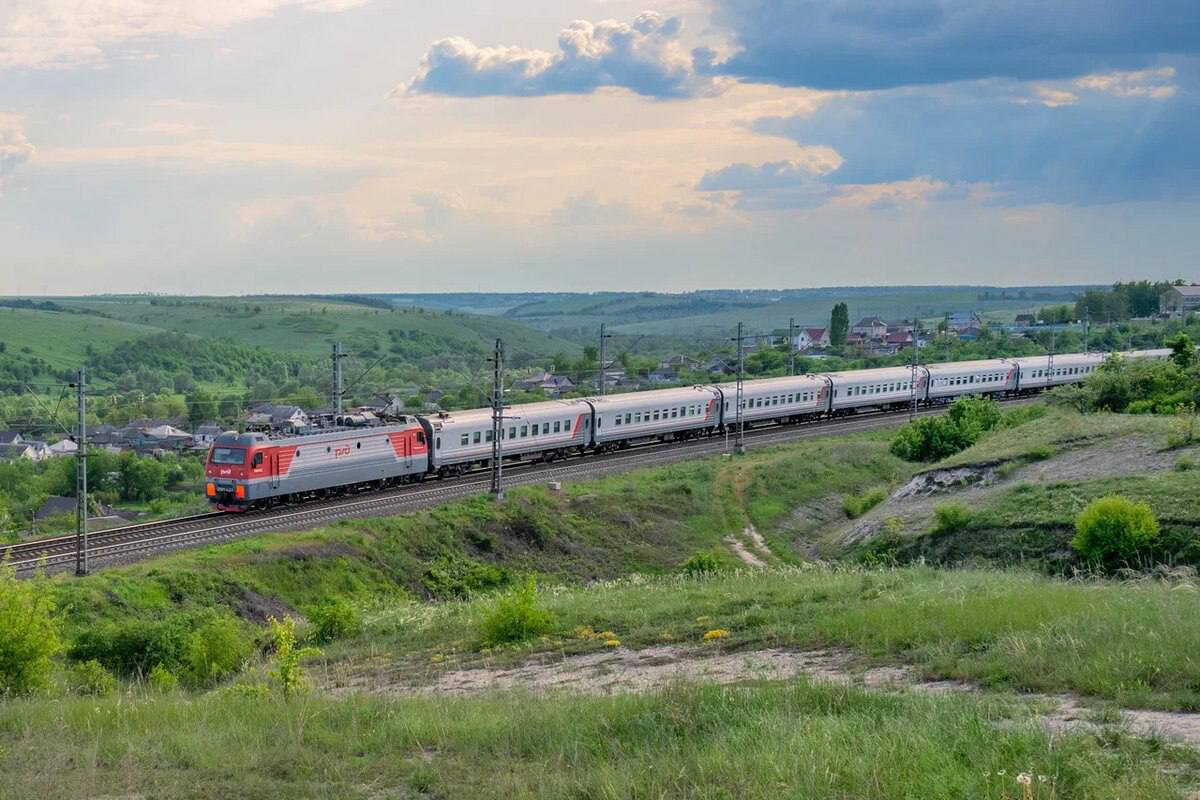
1185	464
702	562
200	647
334	620
90	677
1114	531
854	506
935	438
515	618
951	518
29	633
162	679
286	657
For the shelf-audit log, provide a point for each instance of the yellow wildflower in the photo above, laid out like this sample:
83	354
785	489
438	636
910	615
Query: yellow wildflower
716	633
612	643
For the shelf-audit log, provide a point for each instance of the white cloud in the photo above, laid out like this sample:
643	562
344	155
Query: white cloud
15	147
1152	83
42	34
1053	98
644	56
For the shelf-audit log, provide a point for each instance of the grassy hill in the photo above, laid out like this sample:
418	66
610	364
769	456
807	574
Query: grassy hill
683	641
60	339
306	326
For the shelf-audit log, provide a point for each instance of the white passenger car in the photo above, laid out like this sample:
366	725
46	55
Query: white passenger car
1042	372
882	388
662	414
777	398
958	378
462	439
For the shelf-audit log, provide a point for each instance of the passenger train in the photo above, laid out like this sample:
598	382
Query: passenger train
253	470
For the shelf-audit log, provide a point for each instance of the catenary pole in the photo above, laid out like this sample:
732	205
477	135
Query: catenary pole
739	445
338	389
497	360
604	337
81	487
791	346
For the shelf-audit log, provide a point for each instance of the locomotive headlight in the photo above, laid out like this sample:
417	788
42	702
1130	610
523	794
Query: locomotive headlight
211	490
239	491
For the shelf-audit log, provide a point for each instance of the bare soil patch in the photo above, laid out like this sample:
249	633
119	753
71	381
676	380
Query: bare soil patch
620	670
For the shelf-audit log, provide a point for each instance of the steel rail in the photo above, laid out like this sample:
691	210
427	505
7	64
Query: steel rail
129	543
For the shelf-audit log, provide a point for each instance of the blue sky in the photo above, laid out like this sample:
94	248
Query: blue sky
372	145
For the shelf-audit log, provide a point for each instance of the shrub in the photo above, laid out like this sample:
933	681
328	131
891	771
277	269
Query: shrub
1114	531
702	562
286	656
1185	464
29	632
334	620
854	506
927	439
951	518
162	679
515	617
90	677
200	647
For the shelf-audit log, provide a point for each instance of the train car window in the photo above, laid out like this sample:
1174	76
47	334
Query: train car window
534	432
524	431
656	416
464	440
545	427
557	426
328	449
358	446
437	444
477	437
567	425
674	413
512	432
617	420
488	436
297	452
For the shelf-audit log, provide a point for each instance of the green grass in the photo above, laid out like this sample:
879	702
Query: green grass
756	741
305	326
1133	643
62	339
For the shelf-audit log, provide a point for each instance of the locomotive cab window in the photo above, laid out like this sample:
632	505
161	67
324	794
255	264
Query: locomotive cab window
257	460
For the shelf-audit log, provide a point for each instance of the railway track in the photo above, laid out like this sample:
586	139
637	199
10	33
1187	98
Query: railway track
131	543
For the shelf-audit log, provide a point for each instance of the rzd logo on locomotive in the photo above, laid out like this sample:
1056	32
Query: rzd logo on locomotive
341	452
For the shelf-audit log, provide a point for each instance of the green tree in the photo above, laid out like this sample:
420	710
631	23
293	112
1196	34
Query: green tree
1183	351
1114	531
202	407
141	478
839	325
30	632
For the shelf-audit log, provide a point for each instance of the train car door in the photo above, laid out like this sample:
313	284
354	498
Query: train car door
408	450
273	467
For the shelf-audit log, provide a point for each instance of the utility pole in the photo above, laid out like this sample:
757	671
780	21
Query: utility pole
912	382
739	445
497	360
1050	359
791	346
338	391
1087	328
604	337
81	488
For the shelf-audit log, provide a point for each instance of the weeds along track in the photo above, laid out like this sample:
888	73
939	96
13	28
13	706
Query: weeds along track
130	543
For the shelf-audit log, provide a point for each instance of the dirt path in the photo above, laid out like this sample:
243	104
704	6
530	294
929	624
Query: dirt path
621	671
740	549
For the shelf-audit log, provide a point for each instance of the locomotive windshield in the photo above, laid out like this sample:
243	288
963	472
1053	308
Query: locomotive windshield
228	455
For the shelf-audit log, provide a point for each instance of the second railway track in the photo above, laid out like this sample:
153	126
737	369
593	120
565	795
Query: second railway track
130	543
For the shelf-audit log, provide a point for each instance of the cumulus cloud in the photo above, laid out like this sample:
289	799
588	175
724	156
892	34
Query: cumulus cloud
15	147
1152	83
880	44
644	56
43	34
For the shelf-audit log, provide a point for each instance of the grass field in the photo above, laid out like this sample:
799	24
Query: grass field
306	326
755	741
62	339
